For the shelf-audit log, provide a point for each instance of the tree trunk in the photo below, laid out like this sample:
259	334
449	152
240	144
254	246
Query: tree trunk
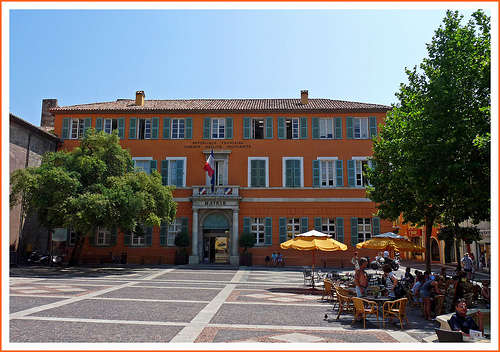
428	234
457	247
77	250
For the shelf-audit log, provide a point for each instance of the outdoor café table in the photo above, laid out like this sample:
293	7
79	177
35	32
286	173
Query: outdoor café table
380	300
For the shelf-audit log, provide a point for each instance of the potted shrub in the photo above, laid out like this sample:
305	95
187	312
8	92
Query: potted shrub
182	240
247	240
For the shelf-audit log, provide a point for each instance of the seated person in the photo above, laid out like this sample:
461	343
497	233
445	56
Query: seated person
416	288
485	291
280	259
460	321
408	278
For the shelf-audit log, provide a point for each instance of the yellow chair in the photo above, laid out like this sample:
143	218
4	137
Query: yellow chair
364	308
344	302
395	309
412	304
327	291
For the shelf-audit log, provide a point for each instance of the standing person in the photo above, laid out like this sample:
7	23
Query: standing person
390	280
425	292
467	263
360	278
460	321
355	261
387	259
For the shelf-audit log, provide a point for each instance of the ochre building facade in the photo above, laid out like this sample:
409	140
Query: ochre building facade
282	167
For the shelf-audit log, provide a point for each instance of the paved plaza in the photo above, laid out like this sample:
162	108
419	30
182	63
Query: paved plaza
185	304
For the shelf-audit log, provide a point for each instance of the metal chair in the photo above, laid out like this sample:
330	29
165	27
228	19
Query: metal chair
449	335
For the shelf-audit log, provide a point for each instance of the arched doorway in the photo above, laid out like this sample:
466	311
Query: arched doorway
216	237
434	250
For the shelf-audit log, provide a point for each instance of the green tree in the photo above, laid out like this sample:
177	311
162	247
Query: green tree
431	161
92	186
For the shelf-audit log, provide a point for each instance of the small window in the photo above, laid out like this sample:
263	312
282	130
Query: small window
328	227
110	125
77	128
173	229
258	128
257	227
178	128
361	128
292	172
292	128
292	227
103	237
143	128
218	128
328	173
258	172
143	165
361	179
364	229
326	128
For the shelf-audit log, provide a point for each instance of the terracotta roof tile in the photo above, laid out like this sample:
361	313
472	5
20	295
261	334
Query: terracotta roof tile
224	106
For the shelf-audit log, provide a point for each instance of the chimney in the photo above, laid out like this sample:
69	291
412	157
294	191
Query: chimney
304	97
139	97
48	119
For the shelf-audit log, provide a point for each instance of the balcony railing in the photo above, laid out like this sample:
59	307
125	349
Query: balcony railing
219	191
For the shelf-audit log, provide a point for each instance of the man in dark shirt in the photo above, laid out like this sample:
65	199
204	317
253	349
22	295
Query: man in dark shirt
460	321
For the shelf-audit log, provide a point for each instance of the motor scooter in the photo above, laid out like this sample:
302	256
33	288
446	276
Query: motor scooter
56	260
380	260
37	259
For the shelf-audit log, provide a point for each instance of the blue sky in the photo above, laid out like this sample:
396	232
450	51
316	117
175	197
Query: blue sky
84	56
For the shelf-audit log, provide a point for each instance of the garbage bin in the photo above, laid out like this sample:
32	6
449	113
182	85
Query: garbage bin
124	258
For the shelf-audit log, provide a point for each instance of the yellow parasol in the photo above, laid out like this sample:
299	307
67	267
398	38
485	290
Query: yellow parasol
312	240
385	243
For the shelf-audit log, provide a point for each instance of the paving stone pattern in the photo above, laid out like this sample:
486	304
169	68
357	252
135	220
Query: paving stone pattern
184	304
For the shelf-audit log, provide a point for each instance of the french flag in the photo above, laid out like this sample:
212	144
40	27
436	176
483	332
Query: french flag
209	165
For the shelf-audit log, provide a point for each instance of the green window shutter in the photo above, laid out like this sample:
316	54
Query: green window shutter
351	173
114	235
354	232
292	173
303	127
229	128
246	225
315	127
257	173
127	238
132	131
164	172
304	224
92	238
153	165
149	235
179	177
246	127
87	123
281	127
166	128
268	231
376	226
163	233
282	224
373	126
338	127
65	128
316	173
349	121
184	224
121	127
155	125
339	171
189	128
98	124
206	127
340	229
269	127
318	223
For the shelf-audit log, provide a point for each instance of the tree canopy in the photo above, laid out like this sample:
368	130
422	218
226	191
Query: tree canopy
432	158
93	185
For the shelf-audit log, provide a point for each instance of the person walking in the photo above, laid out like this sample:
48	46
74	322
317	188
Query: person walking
355	261
468	265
